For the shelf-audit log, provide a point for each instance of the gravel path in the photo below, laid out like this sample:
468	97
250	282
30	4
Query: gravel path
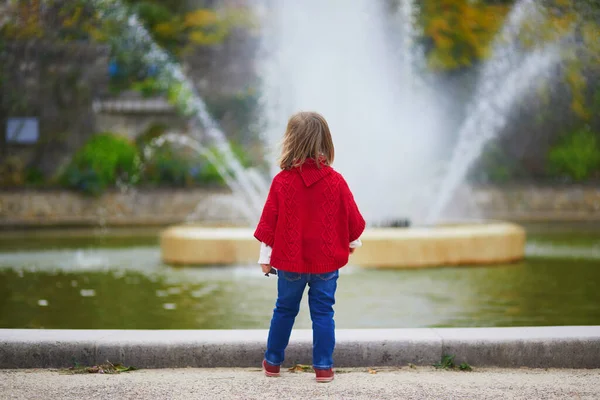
405	383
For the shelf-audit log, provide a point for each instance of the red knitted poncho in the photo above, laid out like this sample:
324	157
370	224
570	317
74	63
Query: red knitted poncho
309	219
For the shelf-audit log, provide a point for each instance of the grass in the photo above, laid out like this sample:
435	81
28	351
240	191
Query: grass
107	368
447	363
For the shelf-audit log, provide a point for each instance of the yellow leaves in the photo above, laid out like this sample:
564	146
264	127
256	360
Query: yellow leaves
72	20
461	31
200	27
443	42
25	21
206	39
442	61
564	3
591	33
166	29
579	108
437	26
96	34
576	80
301	368
207	27
200	18
565	23
591	37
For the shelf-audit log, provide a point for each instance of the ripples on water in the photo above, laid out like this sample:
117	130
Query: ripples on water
558	284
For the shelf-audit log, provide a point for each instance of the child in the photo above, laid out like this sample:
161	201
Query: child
309	226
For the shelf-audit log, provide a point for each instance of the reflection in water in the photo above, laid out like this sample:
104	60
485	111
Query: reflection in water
127	288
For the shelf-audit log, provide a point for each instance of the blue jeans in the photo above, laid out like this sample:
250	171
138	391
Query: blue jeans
321	298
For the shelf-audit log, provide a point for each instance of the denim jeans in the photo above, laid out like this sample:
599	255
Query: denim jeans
321	298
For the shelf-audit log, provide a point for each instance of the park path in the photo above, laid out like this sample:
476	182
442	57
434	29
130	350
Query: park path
404	383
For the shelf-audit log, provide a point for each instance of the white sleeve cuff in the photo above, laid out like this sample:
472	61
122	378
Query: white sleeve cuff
355	244
265	254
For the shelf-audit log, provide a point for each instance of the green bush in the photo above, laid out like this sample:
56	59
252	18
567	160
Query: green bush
169	165
576	156
148	87
34	176
166	167
14	173
103	161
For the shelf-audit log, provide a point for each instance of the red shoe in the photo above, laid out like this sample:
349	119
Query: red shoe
270	370
324	375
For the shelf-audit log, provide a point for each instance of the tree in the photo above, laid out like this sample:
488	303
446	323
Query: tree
458	32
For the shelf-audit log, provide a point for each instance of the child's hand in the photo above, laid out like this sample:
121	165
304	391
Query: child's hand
266	268
351	250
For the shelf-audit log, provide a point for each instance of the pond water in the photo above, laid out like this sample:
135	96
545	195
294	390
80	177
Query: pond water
115	280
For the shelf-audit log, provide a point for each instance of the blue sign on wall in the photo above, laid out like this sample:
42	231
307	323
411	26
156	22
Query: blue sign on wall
22	130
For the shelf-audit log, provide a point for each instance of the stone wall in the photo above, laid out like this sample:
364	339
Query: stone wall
527	203
130	115
132	207
57	84
164	206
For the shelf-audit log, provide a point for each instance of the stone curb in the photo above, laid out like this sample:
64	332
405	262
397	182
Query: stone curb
535	347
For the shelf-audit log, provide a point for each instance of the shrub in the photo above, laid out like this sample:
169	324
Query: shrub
171	165
166	167
148	87
576	156
34	176
14	173
102	162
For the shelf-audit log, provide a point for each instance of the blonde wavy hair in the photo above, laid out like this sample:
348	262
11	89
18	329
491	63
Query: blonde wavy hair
307	136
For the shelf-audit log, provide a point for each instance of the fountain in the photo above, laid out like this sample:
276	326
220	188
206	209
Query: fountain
115	280
394	117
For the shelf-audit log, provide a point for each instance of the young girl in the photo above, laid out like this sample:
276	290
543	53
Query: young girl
309	226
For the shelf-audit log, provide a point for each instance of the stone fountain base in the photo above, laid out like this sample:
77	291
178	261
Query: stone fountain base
465	244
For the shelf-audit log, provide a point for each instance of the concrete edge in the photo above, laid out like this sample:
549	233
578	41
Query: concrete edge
535	347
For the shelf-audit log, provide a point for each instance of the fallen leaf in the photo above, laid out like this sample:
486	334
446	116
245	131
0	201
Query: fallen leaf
301	368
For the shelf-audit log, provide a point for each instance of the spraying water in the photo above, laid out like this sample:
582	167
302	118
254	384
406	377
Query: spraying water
338	62
490	118
243	183
191	143
387	128
504	79
412	56
387	133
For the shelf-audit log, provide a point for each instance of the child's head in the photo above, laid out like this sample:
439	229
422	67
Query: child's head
307	136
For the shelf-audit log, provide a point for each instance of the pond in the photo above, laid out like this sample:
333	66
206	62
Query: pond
114	280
